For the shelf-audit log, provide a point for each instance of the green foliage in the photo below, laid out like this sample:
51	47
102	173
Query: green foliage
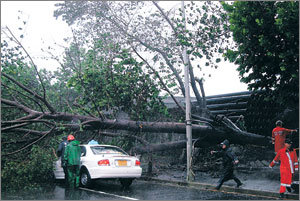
115	83
267	53
16	65
27	172
31	167
104	78
206	31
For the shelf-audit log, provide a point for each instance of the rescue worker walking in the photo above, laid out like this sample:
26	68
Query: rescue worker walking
279	134
72	157
60	153
288	165
229	159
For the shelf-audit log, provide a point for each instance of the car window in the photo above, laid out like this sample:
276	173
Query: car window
83	150
107	150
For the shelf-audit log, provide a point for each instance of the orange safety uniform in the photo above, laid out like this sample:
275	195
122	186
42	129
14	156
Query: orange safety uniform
288	165
278	137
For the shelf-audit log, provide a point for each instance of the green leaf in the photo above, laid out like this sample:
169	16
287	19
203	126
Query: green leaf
294	75
282	68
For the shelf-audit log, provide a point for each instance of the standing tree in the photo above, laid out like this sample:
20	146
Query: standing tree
156	36
267	37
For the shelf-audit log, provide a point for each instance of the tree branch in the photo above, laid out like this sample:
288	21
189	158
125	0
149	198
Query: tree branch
30	92
193	84
35	67
150	47
25	96
160	79
203	92
29	144
141	140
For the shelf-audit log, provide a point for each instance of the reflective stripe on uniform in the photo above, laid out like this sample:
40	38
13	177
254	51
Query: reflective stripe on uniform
287	185
290	162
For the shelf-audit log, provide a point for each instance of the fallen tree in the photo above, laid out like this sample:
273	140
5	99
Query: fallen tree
208	133
39	117
212	129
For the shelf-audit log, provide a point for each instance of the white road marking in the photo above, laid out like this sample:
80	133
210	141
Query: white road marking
101	192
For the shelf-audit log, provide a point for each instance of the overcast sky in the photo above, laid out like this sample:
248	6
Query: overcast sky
43	30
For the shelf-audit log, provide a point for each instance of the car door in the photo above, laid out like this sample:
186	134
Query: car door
83	155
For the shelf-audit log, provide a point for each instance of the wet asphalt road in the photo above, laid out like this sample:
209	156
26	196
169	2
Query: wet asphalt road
139	190
145	190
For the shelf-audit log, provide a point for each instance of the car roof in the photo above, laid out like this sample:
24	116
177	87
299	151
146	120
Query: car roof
102	145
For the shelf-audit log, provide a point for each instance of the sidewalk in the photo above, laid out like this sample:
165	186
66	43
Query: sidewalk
261	181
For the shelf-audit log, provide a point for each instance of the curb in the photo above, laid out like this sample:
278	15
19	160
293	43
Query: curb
205	186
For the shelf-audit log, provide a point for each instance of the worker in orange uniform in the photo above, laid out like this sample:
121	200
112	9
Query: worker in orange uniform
288	165
279	134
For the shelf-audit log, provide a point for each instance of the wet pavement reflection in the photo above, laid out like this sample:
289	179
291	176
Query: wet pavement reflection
112	190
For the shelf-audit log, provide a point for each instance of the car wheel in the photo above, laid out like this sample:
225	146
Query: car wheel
126	182
85	178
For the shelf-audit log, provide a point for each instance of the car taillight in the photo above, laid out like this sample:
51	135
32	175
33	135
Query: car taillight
137	163
104	162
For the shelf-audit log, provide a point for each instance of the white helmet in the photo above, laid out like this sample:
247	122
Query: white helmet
279	123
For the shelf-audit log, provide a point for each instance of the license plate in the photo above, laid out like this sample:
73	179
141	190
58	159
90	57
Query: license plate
122	163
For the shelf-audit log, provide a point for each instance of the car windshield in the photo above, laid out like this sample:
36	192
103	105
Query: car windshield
107	150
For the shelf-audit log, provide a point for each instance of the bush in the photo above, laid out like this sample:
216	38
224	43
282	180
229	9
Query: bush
29	173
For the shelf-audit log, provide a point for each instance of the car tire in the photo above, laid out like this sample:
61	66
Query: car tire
126	182
85	178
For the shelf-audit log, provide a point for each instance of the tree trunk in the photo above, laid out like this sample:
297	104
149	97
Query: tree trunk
208	140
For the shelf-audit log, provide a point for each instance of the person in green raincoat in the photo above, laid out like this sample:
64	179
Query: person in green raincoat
72	158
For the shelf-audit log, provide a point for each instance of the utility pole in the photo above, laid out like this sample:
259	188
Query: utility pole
187	106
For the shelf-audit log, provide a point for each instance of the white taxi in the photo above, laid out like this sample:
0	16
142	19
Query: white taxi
104	162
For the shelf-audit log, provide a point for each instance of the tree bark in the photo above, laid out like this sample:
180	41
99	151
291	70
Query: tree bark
210	133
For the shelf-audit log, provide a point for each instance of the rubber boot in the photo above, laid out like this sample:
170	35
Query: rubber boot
238	182
281	195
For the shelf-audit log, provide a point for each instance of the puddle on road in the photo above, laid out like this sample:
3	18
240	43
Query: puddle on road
55	191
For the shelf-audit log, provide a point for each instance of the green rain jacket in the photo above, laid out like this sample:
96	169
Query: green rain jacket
72	153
